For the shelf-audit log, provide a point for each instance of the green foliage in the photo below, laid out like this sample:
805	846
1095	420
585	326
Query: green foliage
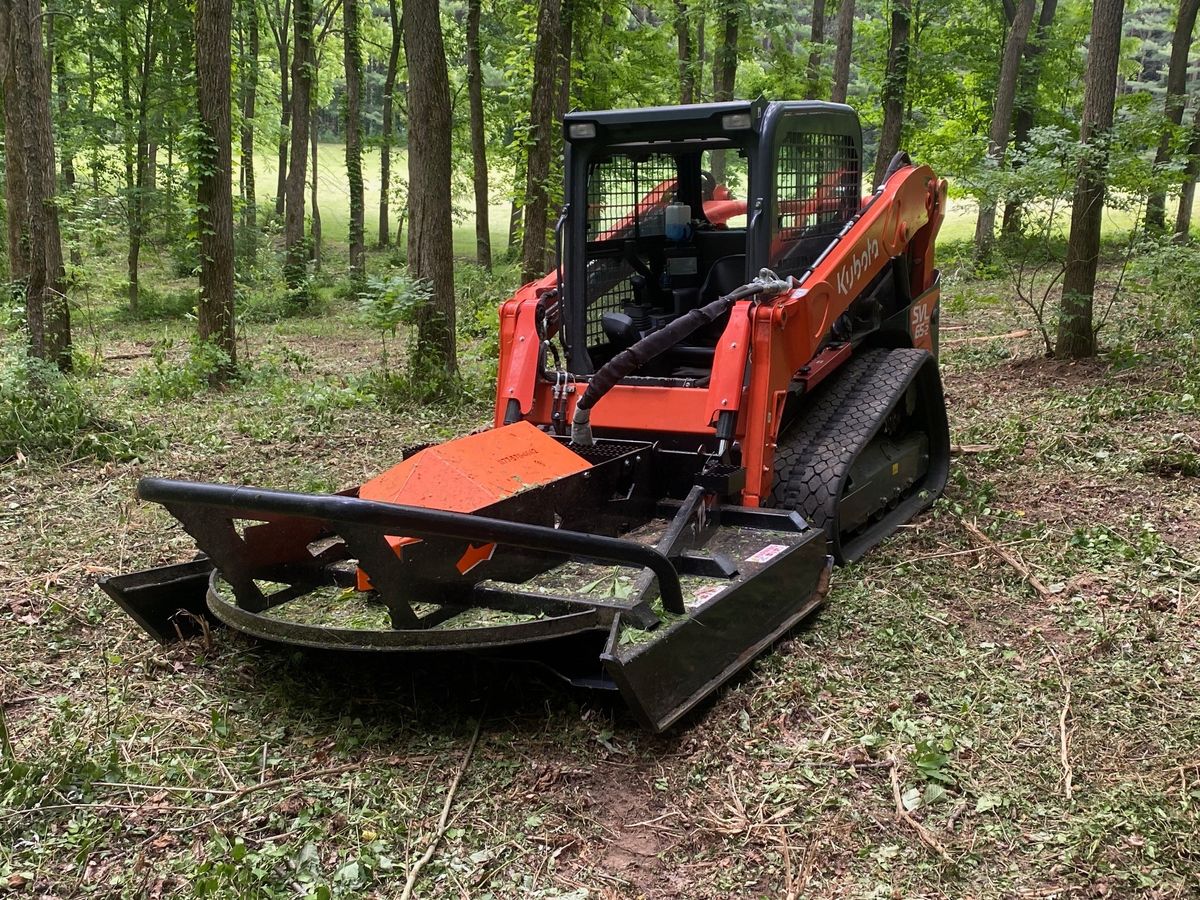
391	301
167	378
43	412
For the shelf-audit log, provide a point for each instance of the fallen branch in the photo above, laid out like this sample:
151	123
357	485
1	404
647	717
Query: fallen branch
1011	558
277	782
971	449
902	815
985	338
1064	739
415	869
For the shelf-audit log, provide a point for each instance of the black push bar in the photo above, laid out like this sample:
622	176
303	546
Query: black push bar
415	521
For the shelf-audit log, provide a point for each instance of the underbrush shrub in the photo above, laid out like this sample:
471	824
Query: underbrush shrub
168	379
154	304
44	412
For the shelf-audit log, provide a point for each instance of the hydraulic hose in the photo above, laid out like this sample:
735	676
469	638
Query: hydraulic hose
628	361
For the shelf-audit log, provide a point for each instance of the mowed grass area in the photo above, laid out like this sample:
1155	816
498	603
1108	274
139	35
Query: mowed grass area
1044	737
333	196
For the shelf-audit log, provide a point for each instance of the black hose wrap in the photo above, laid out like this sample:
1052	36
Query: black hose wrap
658	342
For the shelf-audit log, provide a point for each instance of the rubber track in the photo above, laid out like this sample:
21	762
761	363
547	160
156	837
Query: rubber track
814	457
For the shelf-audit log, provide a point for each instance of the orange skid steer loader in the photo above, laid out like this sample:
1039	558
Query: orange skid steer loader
727	384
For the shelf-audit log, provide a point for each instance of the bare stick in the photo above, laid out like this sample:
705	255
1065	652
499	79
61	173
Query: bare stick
984	338
789	880
1064	738
1009	557
415	869
902	815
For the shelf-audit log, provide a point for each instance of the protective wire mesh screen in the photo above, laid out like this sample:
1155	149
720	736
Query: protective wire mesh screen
627	198
817	183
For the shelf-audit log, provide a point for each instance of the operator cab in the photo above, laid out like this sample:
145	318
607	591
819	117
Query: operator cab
669	208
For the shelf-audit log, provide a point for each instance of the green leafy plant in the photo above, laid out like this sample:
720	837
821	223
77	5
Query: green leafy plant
391	301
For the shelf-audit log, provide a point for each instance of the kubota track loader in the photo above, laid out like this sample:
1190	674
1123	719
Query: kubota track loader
728	382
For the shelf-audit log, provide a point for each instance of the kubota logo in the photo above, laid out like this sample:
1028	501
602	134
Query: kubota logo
860	260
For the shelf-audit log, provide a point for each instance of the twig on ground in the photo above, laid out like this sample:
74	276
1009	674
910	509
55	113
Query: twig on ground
902	815
1009	557
984	338
415	869
1064	734
789	878
971	449
277	782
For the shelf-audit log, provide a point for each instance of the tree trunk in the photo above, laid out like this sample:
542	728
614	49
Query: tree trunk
66	147
279	29
429	230
314	130
1176	85
16	184
845	46
540	143
354	137
249	102
1187	194
137	198
817	39
725	71
388	129
214	191
683	40
47	315
1002	112
1076	334
483	234
295	268
1026	104
895	83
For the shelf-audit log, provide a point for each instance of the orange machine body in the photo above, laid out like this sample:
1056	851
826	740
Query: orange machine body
764	347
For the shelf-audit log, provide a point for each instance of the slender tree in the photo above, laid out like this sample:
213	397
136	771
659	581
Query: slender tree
388	127
1187	193
138	174
845	46
1026	102
725	63
1177	70
483	234
295	268
540	143
817	41
279	22
354	137
1076	334
214	192
249	103
47	314
1002	113
683	44
895	86
429	230
314	215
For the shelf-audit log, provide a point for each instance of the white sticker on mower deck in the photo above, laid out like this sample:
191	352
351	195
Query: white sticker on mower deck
708	592
767	553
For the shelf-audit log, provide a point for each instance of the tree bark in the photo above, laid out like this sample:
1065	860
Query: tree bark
725	62
314	221
895	84
540	143
354	136
295	269
1177	71
214	190
47	315
388	129
429	229
1076	334
1026	103
817	39
683	41
249	103
15	182
137	196
845	46
483	234
1002	113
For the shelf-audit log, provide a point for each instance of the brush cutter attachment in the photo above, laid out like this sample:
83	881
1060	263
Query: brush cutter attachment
617	565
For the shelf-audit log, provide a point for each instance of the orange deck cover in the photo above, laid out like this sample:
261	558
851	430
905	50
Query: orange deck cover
472	472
